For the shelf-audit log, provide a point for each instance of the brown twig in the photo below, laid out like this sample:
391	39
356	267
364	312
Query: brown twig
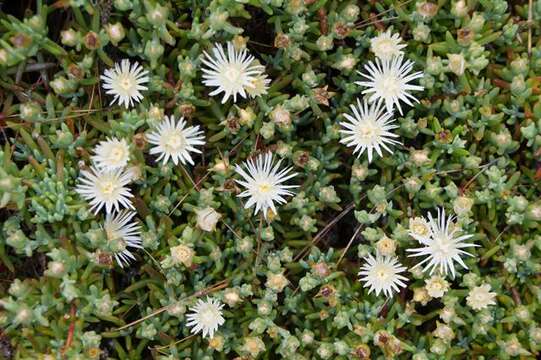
71	329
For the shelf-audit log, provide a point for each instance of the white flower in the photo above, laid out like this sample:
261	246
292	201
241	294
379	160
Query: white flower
388	81
112	154
368	129
387	45
381	274
174	140
105	188
206	317
125	82
233	74
480	297
263	183
442	246
119	228
436	286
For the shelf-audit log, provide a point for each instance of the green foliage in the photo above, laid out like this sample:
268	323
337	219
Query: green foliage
290	287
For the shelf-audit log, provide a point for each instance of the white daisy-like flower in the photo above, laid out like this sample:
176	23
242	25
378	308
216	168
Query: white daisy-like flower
388	81
111	154
387	45
206	317
174	140
442	247
368	129
125	82
382	274
263	183
126	234
480	297
105	188
233	74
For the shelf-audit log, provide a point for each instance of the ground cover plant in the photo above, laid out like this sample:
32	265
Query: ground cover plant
266	179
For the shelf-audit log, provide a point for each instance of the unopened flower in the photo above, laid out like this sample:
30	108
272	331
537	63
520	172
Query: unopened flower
105	189
175	140
231	74
263	183
444	332
382	275
441	246
125	82
369	129
419	226
386	246
462	205
388	81
207	219
276	282
457	63
206	317
387	45
182	254
421	295
118	227
436	286
253	346
480	297
112	154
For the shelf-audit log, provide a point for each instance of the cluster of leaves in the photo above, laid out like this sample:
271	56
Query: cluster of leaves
290	285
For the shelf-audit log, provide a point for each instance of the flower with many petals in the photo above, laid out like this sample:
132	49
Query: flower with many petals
111	154
382	274
263	183
174	140
441	246
125	82
126	234
368	129
387	45
105	188
206	317
480	297
388	81
234	73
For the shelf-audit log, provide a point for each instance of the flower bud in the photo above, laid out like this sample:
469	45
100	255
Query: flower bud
207	219
457	63
69	37
182	254
116	33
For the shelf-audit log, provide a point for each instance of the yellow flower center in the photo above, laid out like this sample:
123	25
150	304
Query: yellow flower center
107	187
265	187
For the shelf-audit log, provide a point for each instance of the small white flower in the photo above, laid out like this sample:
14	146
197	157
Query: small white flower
206	316
480	297
387	45
105	188
442	246
233	74
119	228
125	82
436	286
388	81
381	274
263	183
368	129
112	154
174	140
